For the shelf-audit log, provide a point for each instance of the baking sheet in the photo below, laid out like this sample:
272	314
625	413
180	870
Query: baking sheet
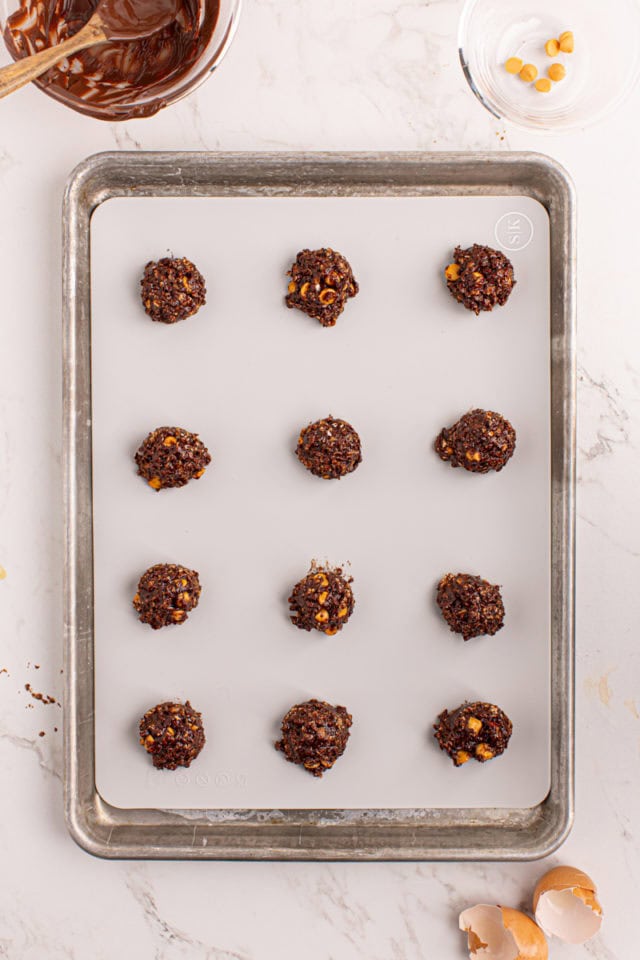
246	373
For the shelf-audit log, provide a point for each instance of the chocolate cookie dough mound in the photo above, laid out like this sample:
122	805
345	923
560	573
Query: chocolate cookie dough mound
479	441
329	448
480	278
321	283
323	601
172	733
314	735
172	290
170	457
166	594
470	605
478	730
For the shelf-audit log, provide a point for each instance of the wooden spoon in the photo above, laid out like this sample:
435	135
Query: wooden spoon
112	20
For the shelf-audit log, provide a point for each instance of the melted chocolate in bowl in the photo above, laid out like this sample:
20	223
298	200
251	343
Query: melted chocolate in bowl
112	78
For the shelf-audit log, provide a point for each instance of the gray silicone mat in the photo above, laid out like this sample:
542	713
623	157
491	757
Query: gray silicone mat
246	373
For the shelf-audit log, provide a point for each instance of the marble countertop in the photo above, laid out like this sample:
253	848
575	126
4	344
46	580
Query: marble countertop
342	75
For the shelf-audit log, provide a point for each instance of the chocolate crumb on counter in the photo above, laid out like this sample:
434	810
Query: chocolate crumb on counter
315	735
172	289
167	593
321	283
173	734
329	448
473	730
479	441
171	457
323	600
480	277
41	697
470	605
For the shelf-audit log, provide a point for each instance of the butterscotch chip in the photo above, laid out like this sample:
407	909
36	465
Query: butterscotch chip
484	278
172	289
321	283
166	594
529	72
557	72
566	41
513	65
470	605
315	735
173	734
171	457
323	600
479	441
329	448
479	730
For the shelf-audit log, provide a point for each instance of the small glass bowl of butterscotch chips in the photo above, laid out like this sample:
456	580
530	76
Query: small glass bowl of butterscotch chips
546	65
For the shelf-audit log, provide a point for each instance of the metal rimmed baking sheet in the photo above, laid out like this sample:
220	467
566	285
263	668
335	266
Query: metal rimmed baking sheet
376	178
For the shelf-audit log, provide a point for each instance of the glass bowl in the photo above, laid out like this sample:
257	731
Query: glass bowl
599	73
147	103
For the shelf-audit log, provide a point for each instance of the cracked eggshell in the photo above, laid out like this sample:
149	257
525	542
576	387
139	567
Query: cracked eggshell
566	905
500	933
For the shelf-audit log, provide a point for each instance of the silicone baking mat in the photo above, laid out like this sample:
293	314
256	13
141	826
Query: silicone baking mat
246	373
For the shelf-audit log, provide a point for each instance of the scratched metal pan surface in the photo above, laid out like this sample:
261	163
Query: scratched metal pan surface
114	807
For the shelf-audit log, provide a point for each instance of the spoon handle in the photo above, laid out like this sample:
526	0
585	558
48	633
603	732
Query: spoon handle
18	74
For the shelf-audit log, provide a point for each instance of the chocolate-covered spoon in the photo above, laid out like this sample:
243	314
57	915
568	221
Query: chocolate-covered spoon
112	20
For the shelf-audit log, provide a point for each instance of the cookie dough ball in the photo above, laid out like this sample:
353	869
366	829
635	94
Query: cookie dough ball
321	283
323	601
166	594
479	730
480	277
329	448
172	290
470	605
170	457
479	441
314	735
172	733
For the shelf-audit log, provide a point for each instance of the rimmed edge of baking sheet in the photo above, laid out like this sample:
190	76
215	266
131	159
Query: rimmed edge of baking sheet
426	834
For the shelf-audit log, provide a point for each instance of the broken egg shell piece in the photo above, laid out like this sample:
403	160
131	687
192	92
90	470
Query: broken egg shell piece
566	905
500	933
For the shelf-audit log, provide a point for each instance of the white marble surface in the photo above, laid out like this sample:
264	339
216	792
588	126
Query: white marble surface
343	74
